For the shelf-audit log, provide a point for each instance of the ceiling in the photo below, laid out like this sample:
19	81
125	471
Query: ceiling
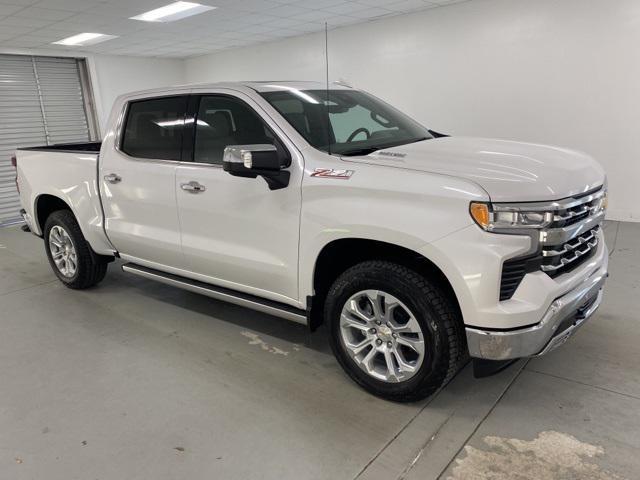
34	24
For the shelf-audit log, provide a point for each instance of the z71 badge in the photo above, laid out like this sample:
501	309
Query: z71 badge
332	173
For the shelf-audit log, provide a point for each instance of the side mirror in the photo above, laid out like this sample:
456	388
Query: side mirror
251	161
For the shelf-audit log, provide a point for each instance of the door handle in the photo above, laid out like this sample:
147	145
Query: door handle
113	178
193	187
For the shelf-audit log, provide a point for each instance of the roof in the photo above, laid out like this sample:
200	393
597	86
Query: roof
259	86
272	86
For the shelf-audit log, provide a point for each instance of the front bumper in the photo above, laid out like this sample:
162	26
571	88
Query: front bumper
563	318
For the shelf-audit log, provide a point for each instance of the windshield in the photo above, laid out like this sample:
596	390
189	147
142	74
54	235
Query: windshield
350	122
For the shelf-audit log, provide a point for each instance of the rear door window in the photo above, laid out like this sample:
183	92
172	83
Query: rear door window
154	128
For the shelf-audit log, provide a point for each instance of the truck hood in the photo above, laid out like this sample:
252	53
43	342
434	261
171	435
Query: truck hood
507	171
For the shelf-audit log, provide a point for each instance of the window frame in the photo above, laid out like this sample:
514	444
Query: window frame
189	135
124	120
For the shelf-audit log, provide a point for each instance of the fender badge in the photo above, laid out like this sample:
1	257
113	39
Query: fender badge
332	173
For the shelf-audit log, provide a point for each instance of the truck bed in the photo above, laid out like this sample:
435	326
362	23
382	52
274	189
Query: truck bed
68	172
84	147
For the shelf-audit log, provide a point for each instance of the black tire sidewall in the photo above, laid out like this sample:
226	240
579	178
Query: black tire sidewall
382	276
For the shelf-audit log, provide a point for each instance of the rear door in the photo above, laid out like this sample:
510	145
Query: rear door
235	231
137	175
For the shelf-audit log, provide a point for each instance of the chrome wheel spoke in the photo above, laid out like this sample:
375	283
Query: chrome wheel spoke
354	309
412	326
367	361
403	364
377	303
390	306
349	322
392	373
360	347
417	345
55	236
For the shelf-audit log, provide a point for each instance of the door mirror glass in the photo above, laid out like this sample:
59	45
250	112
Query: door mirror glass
251	161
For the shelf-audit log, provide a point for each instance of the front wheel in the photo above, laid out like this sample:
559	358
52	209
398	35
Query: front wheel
393	331
69	254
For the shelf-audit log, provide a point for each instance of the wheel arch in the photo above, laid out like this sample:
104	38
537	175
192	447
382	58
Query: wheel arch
340	254
87	214
44	205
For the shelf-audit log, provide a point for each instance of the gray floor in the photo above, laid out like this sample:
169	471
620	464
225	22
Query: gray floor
135	380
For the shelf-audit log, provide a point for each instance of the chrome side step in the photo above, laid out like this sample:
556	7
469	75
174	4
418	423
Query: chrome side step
220	293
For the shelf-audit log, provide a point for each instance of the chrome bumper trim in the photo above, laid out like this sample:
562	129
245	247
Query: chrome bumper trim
542	337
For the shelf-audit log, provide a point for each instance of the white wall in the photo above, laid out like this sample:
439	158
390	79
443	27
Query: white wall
560	72
114	75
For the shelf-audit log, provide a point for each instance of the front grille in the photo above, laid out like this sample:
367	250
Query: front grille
577	210
570	240
564	258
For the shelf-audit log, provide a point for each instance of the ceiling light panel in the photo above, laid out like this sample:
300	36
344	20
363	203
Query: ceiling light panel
172	12
84	39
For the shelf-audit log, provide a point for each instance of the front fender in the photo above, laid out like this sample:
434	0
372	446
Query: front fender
392	205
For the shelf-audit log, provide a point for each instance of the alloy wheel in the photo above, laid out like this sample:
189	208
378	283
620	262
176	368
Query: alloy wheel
382	336
63	251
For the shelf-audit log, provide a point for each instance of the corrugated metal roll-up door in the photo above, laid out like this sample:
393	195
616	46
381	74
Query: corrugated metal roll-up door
41	103
21	123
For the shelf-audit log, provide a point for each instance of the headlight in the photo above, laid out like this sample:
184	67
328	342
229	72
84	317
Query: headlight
601	204
503	217
492	218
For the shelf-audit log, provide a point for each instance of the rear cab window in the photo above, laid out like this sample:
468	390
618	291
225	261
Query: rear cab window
154	128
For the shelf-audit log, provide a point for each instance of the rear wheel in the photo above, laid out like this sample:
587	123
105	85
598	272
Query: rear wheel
393	331
69	254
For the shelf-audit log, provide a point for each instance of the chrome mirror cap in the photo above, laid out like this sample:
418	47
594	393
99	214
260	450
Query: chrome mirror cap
243	154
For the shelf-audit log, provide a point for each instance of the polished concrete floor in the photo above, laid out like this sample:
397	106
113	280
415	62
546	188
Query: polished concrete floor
136	380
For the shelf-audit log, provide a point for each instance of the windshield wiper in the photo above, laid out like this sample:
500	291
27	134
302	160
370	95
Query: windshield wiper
368	150
360	151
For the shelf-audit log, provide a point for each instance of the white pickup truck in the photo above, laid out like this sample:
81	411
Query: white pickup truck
327	205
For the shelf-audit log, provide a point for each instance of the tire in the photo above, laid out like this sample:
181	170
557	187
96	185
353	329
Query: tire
90	268
402	295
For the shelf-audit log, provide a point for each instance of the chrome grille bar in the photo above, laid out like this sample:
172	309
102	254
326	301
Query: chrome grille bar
561	235
572	213
564	261
564	204
572	245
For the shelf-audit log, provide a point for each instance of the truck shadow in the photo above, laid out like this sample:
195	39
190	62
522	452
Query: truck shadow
119	282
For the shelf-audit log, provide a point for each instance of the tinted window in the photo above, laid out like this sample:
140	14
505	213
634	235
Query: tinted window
224	121
154	128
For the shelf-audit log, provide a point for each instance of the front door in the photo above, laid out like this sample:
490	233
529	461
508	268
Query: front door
137	176
236	232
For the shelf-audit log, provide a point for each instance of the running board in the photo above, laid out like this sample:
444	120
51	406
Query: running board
220	293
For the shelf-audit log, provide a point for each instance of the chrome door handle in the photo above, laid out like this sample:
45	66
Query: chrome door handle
113	178
193	187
